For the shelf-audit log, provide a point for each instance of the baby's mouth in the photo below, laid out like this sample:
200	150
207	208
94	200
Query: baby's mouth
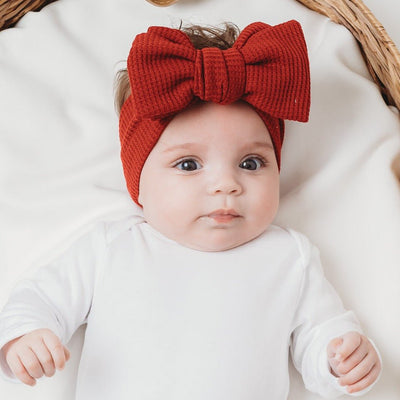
223	215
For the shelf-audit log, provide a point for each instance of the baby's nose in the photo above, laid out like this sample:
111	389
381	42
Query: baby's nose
226	184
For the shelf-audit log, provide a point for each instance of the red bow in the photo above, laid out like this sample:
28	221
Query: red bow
267	67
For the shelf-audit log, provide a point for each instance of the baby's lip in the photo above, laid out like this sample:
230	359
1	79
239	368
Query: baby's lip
223	216
223	213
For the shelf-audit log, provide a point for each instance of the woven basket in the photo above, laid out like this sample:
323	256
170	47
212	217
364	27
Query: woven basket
12	10
381	55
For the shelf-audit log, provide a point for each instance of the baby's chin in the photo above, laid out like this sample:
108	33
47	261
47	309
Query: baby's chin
219	242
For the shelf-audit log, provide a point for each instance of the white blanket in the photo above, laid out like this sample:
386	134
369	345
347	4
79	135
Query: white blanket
60	171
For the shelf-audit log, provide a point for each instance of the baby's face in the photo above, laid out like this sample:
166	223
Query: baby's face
212	181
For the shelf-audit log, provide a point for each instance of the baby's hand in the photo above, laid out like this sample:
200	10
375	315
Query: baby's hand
35	354
354	360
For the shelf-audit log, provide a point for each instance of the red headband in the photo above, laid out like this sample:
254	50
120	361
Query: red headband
267	67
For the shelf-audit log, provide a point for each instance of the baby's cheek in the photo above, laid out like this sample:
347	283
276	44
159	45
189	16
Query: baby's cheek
265	209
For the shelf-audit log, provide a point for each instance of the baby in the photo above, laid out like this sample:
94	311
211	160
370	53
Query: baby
203	298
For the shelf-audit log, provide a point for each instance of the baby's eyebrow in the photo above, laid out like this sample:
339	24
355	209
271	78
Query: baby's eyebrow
258	145
199	146
183	146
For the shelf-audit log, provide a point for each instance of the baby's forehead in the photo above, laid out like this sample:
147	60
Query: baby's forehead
208	123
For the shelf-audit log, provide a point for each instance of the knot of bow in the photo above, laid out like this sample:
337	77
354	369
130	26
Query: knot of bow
266	67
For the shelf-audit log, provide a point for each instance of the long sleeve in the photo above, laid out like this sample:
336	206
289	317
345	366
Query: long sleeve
320	317
57	297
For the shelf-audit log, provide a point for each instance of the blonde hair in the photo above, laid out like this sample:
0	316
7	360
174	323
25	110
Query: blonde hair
200	36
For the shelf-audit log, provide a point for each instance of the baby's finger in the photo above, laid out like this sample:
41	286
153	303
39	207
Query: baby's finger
56	350
368	380
67	354
333	346
45	358
31	363
351	341
359	372
19	371
354	359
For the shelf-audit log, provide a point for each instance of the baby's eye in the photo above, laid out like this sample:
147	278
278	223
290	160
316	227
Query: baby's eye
188	165
252	163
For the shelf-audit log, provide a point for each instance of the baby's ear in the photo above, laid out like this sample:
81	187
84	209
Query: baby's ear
140	201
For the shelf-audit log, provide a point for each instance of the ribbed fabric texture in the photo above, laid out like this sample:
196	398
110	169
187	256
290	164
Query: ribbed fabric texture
267	67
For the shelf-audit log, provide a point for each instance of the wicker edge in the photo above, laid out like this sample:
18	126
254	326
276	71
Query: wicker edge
11	11
380	53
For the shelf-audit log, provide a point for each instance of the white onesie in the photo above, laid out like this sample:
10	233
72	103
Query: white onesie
168	322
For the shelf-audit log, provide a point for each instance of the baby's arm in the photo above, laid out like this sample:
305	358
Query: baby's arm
35	354
321	317
354	360
56	298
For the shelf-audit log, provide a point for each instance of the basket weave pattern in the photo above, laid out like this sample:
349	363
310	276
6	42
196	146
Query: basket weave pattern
381	55
12	10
